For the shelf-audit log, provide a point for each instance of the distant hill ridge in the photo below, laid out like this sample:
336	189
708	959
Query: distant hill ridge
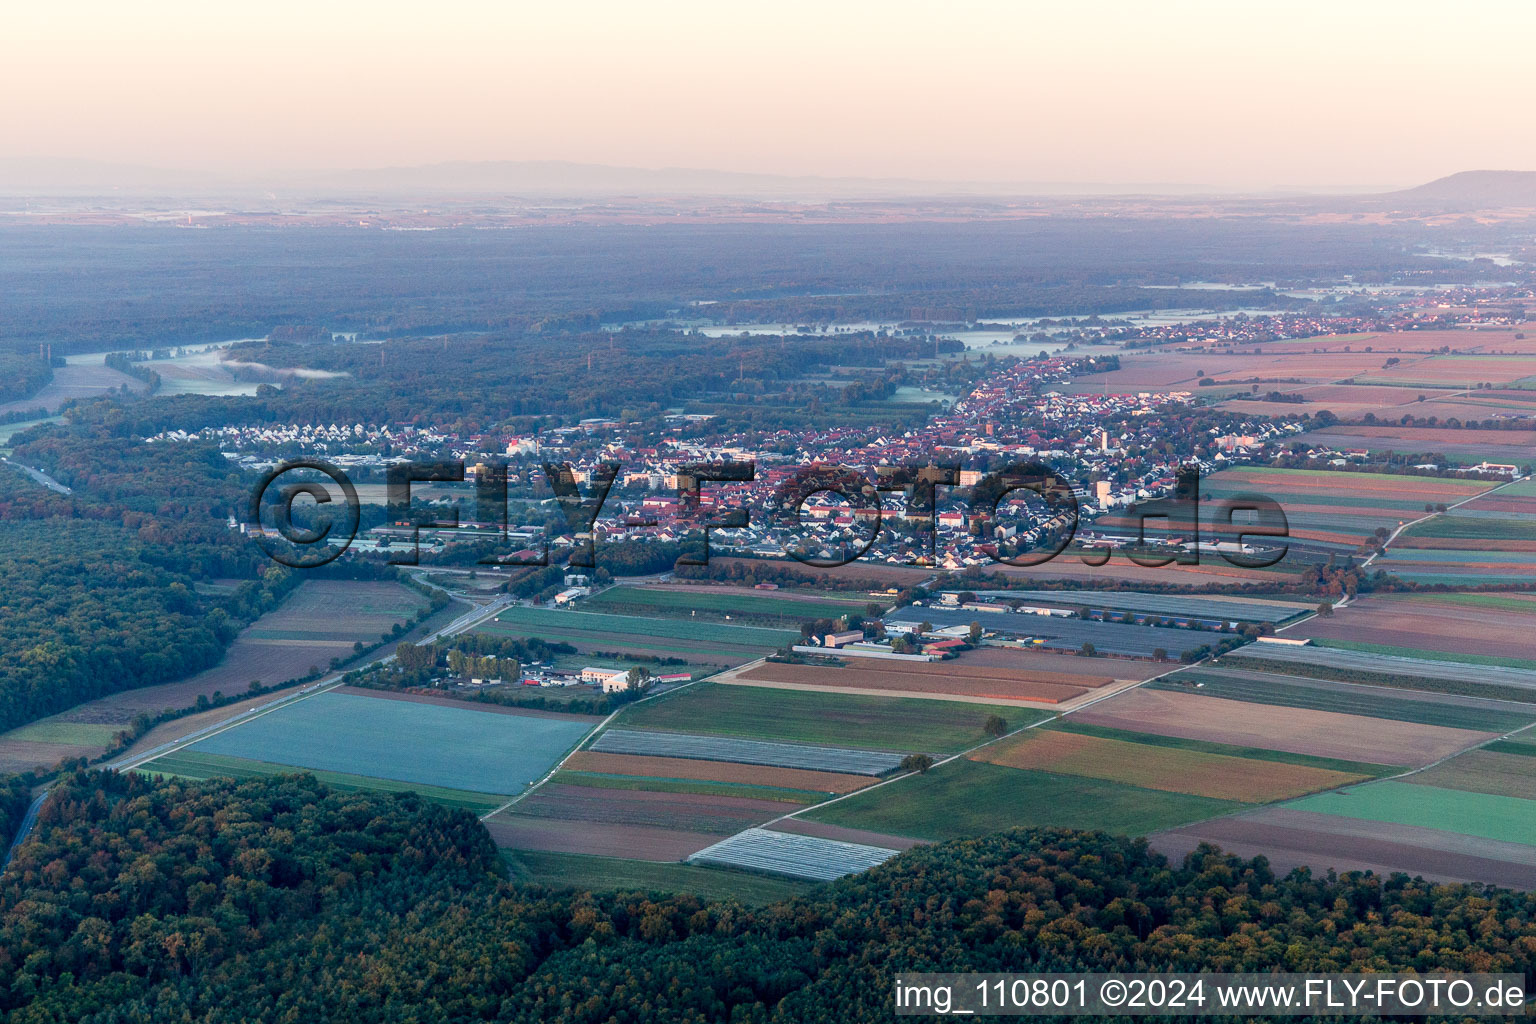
1481	189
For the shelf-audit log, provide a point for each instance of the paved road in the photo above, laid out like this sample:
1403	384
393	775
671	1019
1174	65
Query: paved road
38	475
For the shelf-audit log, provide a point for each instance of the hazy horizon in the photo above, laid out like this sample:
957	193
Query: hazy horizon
1310	97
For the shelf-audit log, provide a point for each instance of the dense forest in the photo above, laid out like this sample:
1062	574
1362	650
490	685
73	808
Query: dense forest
281	900
22	374
96	288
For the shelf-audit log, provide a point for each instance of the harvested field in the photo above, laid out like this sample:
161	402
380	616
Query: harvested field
1483	771
687	812
1500	818
1509	446
1353	699
949	677
755	752
1388	486
971	798
832	719
1320	733
798	856
1463	370
713	771
1163	768
1292	839
1429	622
631	842
1180	370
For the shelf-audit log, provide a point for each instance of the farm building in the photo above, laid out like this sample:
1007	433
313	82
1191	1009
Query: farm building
847	636
601	675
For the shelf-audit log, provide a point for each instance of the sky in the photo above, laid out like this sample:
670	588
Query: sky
1238	93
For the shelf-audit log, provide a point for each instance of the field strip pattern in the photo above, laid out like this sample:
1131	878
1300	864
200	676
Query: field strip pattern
798	856
763	752
1176	606
1362	661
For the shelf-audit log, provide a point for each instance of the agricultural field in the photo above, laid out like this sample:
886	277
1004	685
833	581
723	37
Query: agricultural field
718	643
81	377
955	678
1292	838
639	824
640	767
1500	818
1352	699
1484	771
1168	769
319	621
970	798
1471	817
1461	445
832	719
1415	625
614	874
1340	508
194	765
1466	371
786	610
1268	726
650	743
1391	669
461	748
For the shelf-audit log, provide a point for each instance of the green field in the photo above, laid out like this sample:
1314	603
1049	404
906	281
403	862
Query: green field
835	719
191	764
598	780
1502	818
1524	745
1346	699
637	631
50	730
971	798
611	874
1456	527
1509	604
1425	653
1231	750
713	603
